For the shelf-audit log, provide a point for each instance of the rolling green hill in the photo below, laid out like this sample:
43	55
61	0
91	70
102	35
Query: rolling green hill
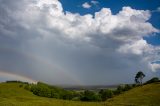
12	95
147	95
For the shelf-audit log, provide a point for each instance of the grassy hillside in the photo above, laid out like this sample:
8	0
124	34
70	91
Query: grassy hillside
147	95
12	95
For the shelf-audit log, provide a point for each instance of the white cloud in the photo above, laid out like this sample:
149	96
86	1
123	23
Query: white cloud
137	47
86	5
80	44
158	9
155	67
94	2
53	6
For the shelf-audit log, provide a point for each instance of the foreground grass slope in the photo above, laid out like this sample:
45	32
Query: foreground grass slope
12	95
147	95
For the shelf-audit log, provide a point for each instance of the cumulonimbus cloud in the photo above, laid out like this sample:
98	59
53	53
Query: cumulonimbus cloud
101	45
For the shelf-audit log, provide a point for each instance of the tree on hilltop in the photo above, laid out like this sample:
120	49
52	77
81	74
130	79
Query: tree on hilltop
139	77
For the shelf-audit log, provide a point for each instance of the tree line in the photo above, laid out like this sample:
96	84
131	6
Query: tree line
45	90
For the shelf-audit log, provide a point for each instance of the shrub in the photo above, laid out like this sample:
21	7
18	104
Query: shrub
118	90
127	87
154	79
90	96
105	94
21	85
27	87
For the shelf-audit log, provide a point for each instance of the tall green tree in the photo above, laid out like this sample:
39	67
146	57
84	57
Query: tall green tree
139	77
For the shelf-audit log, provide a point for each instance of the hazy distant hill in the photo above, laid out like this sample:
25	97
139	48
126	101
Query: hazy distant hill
91	87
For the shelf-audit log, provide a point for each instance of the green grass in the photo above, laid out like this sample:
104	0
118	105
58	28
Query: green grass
147	95
12	95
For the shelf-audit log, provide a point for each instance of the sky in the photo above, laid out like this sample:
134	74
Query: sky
79	42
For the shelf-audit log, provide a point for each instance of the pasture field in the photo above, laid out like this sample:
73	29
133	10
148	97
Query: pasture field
146	95
12	95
